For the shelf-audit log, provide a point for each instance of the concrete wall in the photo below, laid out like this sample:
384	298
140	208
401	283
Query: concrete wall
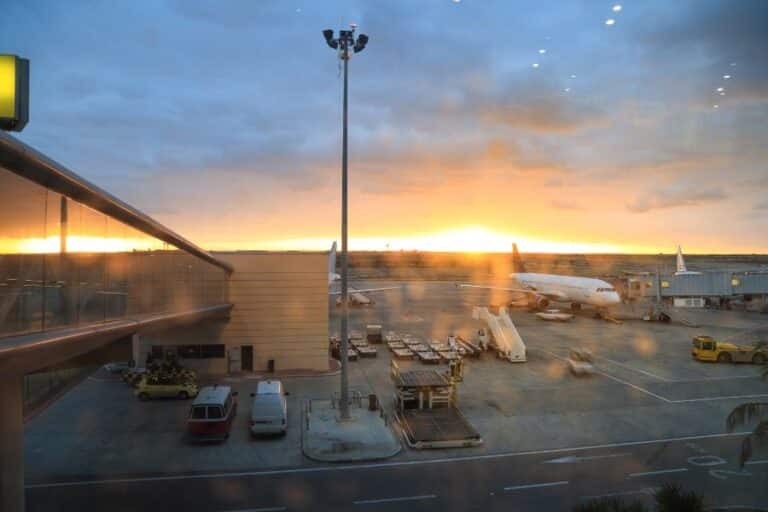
281	310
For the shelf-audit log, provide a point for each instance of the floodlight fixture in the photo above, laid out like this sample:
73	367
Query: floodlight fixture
328	34
362	40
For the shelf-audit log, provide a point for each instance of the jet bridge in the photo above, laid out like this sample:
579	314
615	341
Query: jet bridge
509	344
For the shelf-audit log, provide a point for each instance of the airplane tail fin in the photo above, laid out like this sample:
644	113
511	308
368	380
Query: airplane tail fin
680	261
517	261
332	259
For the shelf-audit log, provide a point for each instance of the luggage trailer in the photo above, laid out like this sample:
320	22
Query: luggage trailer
425	409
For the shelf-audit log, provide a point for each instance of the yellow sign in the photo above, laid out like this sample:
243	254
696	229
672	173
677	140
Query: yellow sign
8	86
14	93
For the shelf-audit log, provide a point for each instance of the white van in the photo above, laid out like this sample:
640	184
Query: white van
269	410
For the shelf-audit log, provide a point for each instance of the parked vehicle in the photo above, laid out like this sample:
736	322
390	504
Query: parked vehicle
580	362
165	387
212	413
117	367
706	348
269	409
132	376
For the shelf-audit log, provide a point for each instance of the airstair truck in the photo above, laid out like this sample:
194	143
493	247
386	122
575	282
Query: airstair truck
508	343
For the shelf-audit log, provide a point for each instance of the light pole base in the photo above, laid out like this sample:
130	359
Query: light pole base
364	436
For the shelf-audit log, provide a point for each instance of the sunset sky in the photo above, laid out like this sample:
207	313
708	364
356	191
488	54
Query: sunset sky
474	123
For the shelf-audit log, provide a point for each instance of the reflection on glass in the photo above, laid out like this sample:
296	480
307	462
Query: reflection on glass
64	264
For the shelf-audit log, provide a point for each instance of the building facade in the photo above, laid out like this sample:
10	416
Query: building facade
279	322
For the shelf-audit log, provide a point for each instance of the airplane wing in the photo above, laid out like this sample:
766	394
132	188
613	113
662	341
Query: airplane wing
516	290
364	290
551	296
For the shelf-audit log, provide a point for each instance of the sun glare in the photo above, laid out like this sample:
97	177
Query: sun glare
467	239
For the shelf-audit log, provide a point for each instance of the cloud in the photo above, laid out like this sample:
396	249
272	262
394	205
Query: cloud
535	104
561	204
730	35
674	198
762	205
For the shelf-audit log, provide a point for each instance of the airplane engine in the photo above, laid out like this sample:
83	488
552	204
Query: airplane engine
539	303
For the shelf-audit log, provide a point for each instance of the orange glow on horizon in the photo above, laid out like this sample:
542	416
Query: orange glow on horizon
468	239
93	244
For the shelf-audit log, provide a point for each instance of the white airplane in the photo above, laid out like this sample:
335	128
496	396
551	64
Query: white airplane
355	296
681	269
541	289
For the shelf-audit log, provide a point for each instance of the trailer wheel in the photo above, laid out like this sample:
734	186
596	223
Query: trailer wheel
724	357
758	359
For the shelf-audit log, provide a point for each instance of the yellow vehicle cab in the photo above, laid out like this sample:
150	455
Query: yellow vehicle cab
165	388
706	348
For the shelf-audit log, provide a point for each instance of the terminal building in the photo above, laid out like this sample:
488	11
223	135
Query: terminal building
705	289
87	279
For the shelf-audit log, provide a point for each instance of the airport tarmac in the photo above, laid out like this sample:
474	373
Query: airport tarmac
647	387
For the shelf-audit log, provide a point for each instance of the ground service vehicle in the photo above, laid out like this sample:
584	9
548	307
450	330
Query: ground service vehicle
706	348
580	362
165	387
269	410
212	413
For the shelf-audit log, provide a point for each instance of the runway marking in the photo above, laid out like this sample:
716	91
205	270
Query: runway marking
660	397
707	379
751	508
390	500
710	398
633	369
751	462
263	509
536	486
647	490
358	467
657	472
633	386
574	459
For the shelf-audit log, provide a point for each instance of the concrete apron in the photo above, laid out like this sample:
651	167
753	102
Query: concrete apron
11	444
364	437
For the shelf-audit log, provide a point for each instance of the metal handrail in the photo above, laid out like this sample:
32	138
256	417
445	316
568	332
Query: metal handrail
27	162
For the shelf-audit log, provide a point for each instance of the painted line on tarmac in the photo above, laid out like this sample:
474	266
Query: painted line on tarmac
749	508
753	462
662	398
263	509
657	472
392	500
707	379
378	465
646	490
710	398
536	486
634	386
653	375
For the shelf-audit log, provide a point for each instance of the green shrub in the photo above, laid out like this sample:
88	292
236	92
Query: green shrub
671	498
609	505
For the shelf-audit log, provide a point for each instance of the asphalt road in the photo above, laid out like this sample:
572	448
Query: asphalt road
540	480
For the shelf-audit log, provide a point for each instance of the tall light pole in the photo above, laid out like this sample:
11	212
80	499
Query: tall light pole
345	44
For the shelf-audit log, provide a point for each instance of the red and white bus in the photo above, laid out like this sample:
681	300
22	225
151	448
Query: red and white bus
212	413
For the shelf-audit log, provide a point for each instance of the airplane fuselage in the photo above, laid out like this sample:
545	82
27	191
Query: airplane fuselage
573	289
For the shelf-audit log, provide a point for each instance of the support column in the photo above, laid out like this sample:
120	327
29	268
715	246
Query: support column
11	444
136	350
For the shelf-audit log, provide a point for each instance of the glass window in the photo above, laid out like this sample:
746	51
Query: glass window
215	412
198	412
